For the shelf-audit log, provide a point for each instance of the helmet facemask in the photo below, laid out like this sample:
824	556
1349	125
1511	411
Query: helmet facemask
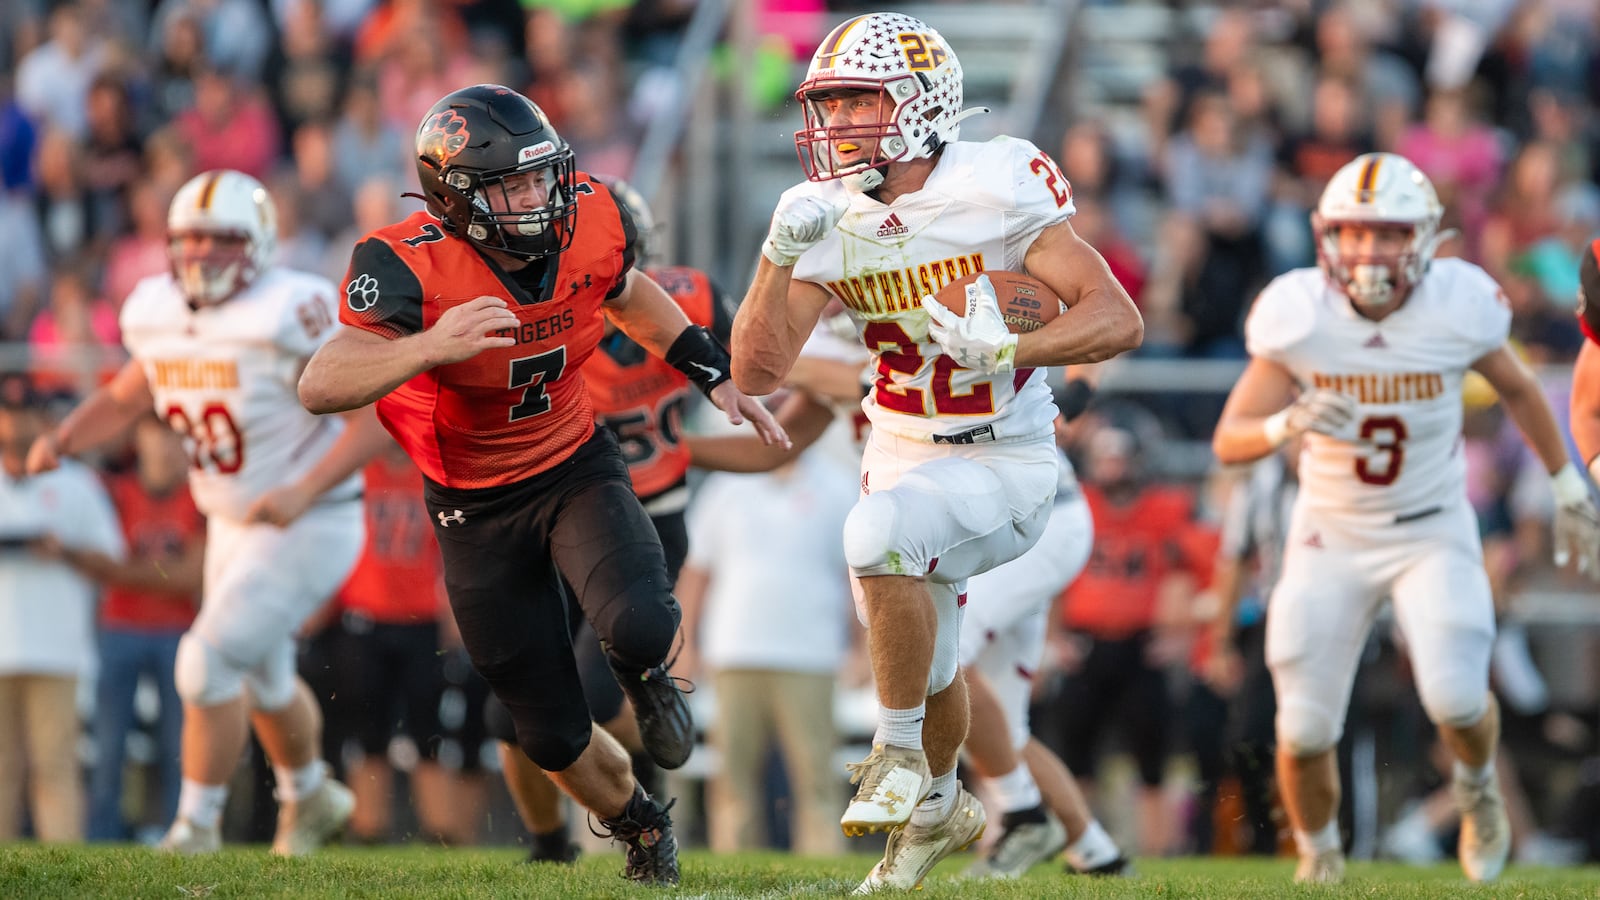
488	212
914	73
216	273
1375	279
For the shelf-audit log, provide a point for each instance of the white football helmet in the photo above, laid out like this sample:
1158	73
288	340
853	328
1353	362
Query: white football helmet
901	56
226	204
1378	189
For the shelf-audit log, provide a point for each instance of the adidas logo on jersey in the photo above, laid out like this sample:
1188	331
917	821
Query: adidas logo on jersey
1315	540
892	227
1376	342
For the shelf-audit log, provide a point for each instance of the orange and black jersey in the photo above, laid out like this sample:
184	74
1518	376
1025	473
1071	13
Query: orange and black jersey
507	413
641	397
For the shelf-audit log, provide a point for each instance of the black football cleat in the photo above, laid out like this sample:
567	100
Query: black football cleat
646	830
665	724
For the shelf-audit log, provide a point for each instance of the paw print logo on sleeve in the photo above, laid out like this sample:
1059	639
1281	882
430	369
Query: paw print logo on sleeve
362	293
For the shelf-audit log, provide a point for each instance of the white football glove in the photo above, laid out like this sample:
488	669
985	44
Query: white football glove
1320	410
798	223
1577	525
978	340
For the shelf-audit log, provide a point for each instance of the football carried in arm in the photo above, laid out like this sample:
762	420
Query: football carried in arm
1026	304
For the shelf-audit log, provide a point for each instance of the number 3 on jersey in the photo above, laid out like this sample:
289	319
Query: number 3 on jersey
1386	436
533	373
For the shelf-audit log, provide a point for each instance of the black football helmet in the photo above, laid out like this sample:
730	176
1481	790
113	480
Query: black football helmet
469	144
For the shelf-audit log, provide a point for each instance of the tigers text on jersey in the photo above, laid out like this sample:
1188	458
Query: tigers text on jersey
225	378
981	208
641	397
509	413
1401	456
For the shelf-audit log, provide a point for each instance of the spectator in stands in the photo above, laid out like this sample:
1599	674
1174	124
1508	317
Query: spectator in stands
230	126
766	606
1218	173
307	70
234	32
46	610
1387	88
1340	131
73	340
53	80
22	266
324	201
141	250
180	56
365	145
113	152
1461	155
151	598
61	203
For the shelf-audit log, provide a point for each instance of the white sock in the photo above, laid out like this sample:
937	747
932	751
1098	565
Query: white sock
1015	791
294	784
900	727
1093	849
940	800
202	804
1475	775
1320	841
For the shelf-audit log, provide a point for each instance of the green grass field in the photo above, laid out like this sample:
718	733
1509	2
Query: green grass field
42	872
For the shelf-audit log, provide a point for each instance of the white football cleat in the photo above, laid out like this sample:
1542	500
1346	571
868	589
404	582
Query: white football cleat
1326	867
914	850
893	780
1021	846
185	838
1485	831
308	823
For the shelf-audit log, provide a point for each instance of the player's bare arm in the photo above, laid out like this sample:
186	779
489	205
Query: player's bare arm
105	414
356	367
1263	390
1101	320
1525	402
1585	405
649	316
771	326
1576	529
363	438
803	417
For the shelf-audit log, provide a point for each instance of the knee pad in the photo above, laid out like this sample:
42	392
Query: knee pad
202	676
872	544
272	682
1454	703
1306	729
643	637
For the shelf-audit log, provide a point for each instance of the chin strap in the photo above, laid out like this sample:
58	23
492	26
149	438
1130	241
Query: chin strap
949	131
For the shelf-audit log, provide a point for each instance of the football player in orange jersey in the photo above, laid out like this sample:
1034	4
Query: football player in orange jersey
641	399
1585	402
468	323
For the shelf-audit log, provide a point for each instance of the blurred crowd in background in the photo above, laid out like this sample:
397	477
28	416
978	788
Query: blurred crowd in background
106	107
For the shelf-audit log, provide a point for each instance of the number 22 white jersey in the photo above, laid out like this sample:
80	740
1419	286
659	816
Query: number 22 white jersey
1401	455
980	209
224	377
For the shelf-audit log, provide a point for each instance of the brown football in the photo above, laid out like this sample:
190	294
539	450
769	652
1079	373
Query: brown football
1025	302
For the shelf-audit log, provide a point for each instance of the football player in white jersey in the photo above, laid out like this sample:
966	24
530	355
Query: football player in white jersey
1364	356
217	346
960	470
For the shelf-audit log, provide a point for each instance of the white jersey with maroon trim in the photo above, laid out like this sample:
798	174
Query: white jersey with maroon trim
981	208
224	377
1401	455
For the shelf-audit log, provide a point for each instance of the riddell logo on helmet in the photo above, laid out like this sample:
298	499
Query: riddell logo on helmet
892	227
537	150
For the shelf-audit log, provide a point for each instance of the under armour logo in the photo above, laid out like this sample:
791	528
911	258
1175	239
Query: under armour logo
588	281
362	293
455	517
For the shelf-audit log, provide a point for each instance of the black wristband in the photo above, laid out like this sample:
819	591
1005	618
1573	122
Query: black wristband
1073	398
697	354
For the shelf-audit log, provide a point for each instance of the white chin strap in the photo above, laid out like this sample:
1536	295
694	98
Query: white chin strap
864	180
